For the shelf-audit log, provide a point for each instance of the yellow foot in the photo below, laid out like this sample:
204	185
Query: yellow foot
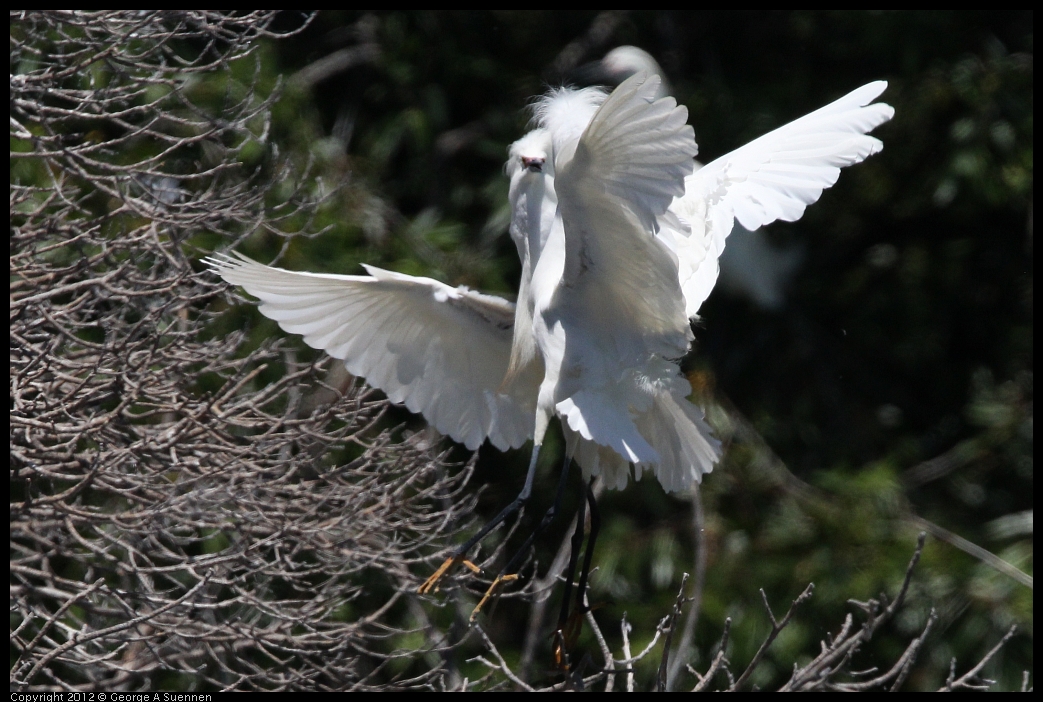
500	579
561	655
430	584
565	640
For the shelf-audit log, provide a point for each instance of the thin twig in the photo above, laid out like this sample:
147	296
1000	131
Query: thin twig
718	659
625	629
776	627
967	680
606	652
675	614
680	655
501	664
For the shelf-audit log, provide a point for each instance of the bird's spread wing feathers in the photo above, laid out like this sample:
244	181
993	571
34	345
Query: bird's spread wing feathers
636	150
773	177
628	165
441	351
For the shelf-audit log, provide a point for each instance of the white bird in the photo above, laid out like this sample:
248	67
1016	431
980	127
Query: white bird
600	293
619	241
623	62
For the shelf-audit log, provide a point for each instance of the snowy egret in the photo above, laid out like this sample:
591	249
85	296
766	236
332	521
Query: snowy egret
621	63
619	241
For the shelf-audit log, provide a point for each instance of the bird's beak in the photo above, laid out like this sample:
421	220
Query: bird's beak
594	72
533	164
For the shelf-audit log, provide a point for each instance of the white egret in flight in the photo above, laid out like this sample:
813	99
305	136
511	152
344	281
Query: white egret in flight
619	241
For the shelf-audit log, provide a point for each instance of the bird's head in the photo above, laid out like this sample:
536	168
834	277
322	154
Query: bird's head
530	154
624	61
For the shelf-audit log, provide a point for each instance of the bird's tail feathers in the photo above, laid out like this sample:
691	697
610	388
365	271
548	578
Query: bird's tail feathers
660	431
678	431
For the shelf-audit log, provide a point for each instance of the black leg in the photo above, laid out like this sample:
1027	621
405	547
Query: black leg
569	626
577	543
545	522
458	555
519	502
588	556
513	563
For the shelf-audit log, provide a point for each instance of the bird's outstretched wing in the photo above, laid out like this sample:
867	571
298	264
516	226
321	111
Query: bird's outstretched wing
628	165
636	150
441	351
773	177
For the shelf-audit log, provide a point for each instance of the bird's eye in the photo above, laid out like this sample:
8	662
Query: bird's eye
533	163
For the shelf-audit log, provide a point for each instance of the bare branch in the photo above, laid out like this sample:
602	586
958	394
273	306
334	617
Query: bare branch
718	660
606	652
971	680
675	614
776	627
688	633
974	550
501	663
625	628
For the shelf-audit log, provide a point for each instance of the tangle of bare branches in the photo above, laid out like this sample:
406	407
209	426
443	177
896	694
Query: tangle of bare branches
831	670
182	517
